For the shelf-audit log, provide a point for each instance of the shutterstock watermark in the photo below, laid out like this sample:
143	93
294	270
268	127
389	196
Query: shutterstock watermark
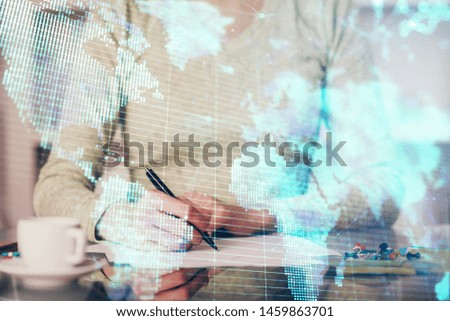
214	154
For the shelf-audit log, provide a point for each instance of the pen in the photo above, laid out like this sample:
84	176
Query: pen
160	186
12	247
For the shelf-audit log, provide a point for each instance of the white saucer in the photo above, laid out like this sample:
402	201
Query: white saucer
47	279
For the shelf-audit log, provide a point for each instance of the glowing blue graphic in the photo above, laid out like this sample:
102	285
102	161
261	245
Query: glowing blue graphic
194	28
133	219
426	19
37	77
443	288
57	76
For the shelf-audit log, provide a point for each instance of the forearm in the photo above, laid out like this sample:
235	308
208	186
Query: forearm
356	212
373	200
359	202
63	190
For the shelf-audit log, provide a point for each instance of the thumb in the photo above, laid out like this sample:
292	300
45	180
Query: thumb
190	195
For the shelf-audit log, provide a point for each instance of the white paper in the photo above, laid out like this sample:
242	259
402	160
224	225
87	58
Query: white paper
256	251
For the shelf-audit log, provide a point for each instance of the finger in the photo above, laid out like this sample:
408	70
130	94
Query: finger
186	211
210	206
186	231
144	287
172	205
197	216
191	195
177	278
186	290
200	223
201	200
242	223
153	237
168	244
204	211
165	221
214	271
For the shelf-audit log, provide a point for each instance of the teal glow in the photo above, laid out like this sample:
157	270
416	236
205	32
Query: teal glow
427	18
188	38
391	151
443	288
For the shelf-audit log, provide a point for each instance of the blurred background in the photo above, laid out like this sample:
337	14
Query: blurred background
411	49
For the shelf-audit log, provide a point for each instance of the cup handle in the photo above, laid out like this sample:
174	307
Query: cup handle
80	244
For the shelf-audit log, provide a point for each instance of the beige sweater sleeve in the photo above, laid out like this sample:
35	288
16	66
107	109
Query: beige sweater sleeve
63	188
67	181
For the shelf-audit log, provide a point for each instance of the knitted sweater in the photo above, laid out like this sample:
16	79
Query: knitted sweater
298	71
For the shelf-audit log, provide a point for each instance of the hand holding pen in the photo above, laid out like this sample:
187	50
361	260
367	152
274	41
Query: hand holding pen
142	223
160	186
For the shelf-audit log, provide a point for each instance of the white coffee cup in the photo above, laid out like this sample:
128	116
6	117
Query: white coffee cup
51	243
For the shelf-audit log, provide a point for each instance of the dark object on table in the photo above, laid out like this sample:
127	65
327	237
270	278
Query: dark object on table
411	256
359	251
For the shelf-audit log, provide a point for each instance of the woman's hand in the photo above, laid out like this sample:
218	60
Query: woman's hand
178	285
181	285
156	222
235	219
149	284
